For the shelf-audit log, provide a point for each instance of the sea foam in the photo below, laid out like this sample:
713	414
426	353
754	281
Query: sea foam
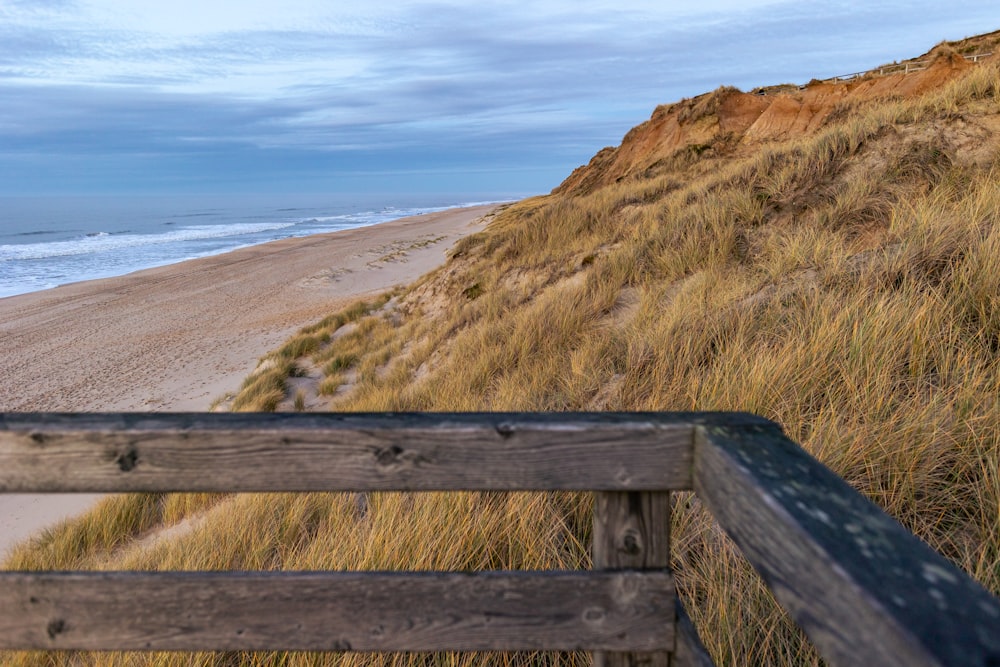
99	239
102	242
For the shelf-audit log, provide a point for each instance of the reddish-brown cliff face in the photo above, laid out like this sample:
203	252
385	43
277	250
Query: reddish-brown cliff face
728	120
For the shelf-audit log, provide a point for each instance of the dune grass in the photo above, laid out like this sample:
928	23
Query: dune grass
845	284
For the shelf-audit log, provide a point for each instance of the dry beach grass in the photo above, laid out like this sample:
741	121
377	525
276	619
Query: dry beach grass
843	280
174	338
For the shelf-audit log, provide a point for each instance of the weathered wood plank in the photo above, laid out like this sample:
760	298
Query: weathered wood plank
690	652
864	589
336	611
632	530
347	452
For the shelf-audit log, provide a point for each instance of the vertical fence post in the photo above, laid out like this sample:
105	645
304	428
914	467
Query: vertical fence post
631	531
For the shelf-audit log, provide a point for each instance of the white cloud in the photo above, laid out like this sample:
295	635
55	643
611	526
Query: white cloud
557	79
265	49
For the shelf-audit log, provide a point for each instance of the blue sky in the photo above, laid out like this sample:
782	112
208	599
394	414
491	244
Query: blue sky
227	96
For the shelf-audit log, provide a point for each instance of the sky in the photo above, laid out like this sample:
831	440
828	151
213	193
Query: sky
395	96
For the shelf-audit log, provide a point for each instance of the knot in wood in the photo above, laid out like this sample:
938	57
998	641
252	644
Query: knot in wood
631	542
388	455
127	460
56	626
505	430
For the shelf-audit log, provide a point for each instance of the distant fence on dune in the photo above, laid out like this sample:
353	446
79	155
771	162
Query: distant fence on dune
897	68
863	588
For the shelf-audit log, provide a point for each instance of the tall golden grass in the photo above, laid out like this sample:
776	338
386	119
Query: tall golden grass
845	284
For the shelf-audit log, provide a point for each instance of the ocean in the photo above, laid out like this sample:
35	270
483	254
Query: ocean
45	242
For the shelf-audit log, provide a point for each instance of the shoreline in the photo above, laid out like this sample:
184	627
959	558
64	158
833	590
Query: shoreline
176	337
278	229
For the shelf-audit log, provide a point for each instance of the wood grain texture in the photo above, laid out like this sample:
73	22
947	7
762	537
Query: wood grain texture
865	590
336	611
632	530
348	452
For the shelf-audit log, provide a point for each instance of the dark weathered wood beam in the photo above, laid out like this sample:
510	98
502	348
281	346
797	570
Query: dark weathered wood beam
348	452
333	452
336	611
865	590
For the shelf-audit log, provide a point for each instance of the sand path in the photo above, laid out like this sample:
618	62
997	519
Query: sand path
174	338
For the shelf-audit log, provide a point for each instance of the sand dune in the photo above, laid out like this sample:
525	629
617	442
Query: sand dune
176	337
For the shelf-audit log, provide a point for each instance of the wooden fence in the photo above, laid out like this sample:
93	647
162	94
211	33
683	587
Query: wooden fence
898	68
864	589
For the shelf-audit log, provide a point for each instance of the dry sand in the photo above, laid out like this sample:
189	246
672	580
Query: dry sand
177	337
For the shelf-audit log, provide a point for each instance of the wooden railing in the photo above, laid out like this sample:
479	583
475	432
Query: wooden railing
864	589
899	68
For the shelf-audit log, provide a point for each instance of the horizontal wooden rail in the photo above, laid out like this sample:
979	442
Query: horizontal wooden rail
338	611
863	588
358	452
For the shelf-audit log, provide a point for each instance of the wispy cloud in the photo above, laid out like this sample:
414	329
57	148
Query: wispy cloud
441	86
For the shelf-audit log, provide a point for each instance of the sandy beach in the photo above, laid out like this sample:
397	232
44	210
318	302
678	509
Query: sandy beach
175	338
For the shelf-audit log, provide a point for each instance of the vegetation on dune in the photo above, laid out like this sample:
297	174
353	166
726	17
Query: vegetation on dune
844	283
